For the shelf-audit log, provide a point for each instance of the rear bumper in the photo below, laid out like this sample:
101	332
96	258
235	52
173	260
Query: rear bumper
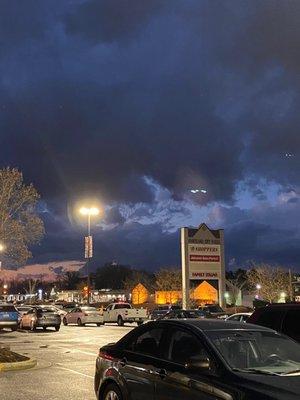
92	320
8	324
48	323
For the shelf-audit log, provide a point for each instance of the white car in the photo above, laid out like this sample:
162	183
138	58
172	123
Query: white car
82	316
239	317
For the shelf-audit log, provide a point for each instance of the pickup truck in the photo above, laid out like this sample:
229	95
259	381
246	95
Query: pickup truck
123	312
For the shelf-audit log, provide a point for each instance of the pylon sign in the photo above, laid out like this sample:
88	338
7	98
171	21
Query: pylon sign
88	246
202	254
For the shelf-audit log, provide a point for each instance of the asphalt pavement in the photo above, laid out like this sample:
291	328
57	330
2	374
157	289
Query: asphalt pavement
66	362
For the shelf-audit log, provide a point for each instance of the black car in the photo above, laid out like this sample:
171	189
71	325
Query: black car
213	311
162	310
180	314
282	317
199	359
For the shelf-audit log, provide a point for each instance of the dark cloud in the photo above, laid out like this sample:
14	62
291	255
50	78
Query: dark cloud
109	21
102	98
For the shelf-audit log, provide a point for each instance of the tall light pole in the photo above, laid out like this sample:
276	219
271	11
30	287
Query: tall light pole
89	213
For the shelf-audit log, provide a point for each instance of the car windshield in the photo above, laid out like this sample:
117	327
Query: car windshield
5	308
45	310
214	309
257	351
194	314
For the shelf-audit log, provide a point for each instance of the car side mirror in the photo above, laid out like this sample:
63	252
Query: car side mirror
199	364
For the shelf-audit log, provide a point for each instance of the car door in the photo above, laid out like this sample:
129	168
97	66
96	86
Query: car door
71	316
110	313
142	358
26	319
291	324
175	381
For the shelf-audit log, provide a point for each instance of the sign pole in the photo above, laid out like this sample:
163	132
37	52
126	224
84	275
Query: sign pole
185	269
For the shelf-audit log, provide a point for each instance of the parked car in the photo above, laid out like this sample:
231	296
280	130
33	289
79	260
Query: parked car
239	317
179	314
55	309
82	316
283	317
199	359
9	317
162	310
23	309
213	311
124	312
40	317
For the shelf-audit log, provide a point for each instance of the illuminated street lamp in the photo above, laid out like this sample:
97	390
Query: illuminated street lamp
89	212
2	249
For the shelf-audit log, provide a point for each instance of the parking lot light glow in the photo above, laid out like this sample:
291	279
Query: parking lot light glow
258	286
2	247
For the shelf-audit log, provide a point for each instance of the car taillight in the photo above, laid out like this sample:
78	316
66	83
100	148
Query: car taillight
105	356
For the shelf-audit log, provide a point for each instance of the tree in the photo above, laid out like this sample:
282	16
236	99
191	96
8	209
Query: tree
70	280
236	281
30	287
20	225
272	281
168	279
137	277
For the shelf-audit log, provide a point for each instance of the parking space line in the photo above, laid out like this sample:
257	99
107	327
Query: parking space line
74	372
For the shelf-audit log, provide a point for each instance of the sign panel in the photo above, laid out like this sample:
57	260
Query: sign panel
204	261
202	255
88	247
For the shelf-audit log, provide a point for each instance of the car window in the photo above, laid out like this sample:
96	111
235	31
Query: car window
185	347
147	343
270	319
120	306
108	308
7	309
235	318
291	324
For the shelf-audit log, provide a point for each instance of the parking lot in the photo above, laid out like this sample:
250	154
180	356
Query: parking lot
66	359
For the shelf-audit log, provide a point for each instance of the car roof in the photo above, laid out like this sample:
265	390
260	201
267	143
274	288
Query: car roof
285	305
241	313
215	324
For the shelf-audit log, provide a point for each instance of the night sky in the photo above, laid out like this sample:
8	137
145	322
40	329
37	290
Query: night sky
135	102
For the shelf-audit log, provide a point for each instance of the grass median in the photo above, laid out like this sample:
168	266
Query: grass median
11	361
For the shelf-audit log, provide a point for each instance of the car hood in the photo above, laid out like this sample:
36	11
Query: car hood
273	387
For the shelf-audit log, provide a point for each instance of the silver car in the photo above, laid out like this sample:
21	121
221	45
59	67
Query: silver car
40	317
83	315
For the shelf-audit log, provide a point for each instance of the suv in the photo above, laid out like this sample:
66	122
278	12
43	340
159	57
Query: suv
281	317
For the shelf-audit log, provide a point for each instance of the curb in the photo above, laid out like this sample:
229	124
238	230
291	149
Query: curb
18	366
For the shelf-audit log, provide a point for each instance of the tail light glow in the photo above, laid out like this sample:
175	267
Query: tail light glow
105	356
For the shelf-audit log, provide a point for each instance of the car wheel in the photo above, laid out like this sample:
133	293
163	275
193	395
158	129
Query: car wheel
99	324
120	321
14	329
112	392
65	321
44	328
79	322
57	328
32	326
